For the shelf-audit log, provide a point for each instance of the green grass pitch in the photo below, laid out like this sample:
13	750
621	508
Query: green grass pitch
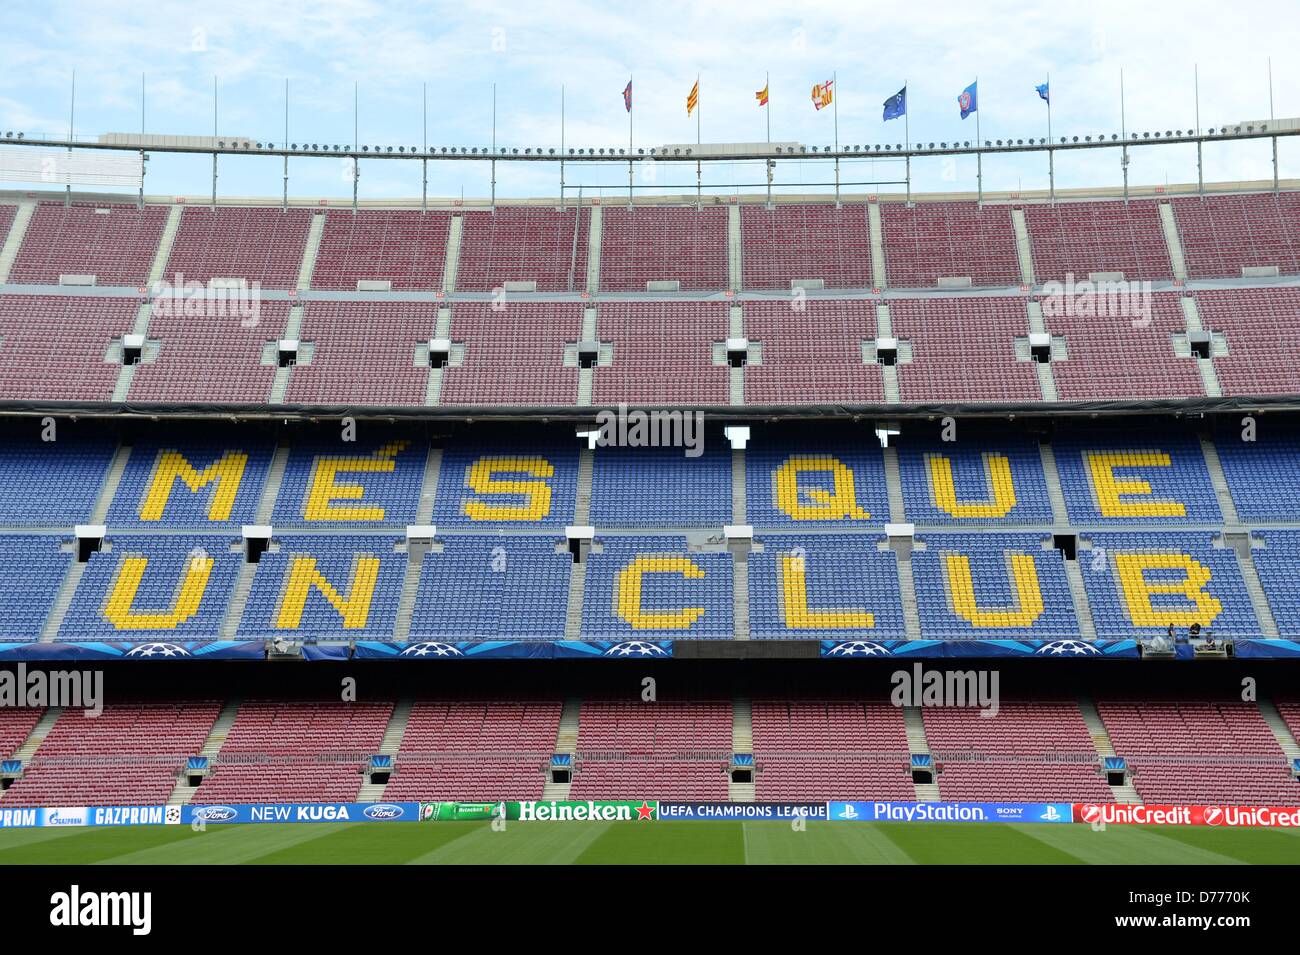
753	843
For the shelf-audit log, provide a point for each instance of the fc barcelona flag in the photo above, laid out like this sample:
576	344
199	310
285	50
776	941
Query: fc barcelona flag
627	96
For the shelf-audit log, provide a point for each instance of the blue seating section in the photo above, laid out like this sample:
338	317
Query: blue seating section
661	487
175	599
1114	607
844	577
1278	566
341	561
374	483
51	483
493	588
33	569
672	604
507	485
1262	474
979	490
1180	491
1035	606
174	503
792	483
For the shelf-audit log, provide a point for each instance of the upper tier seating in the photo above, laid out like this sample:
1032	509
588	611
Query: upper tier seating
57	346
115	243
263	246
524	244
814	241
400	246
1080	238
933	240
1221	235
663	244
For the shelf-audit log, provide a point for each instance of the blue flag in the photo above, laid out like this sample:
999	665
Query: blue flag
1043	92
967	101
896	105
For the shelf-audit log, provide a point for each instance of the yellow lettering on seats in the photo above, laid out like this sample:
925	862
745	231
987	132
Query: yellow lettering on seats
628	594
1109	488
323	491
481	477
119	605
1028	605
303	576
794	589
227	472
1137	590
830	505
997	469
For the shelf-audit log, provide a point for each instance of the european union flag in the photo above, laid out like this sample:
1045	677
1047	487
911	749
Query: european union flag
967	100
1043	93
896	105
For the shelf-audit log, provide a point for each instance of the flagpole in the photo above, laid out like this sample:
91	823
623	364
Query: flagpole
631	105
1196	95
768	163
1123	134
1270	120
907	146
494	148
699	175
835	107
284	203
72	125
1051	163
424	160
979	156
562	150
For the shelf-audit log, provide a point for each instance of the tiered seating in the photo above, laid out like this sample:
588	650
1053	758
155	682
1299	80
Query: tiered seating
813	241
258	245
1261	473
296	752
1288	707
365	574
628	749
655	588
1082	237
1145	581
992	586
524	244
1262	327
114	242
1278	565
801	477
493	588
1030	751
663	244
1199	752
1129	475
482	750
228	472
812	353
963	349
146	587
16	724
1222	234
824	586
830	749
55	346
128	755
978	479
662	487
1121	351
514	354
932	240
51	482
364	353
663	354
401	246
320	482
216	359
513	482
7	214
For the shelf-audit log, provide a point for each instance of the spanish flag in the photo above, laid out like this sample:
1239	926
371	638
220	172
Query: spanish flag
761	96
693	100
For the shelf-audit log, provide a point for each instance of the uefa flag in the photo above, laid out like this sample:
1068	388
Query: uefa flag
627	96
761	96
1044	93
896	105
693	100
823	95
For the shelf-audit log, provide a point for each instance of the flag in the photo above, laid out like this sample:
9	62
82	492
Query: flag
693	100
761	96
967	101
822	95
627	96
896	105
1044	94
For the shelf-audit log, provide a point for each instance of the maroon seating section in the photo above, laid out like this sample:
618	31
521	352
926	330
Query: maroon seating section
16	724
663	244
53	346
1222	234
259	245
650	337
514	354
130	754
524	244
812	241
931	240
114	242
1262	327
1077	238
812	352
401	246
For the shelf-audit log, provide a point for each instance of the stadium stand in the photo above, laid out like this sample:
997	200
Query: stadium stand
1263	348
1083	238
188	483
374	482
113	242
58	346
791	243
258	245
813	353
405	248
651	336
805	476
663	244
662	487
32	568
524	244
51	483
514	354
16	724
509	480
927	241
1221	235
997	480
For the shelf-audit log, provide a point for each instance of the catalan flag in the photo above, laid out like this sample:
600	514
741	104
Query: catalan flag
693	100
761	96
823	95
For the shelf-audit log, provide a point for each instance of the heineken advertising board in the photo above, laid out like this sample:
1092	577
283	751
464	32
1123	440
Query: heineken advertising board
540	811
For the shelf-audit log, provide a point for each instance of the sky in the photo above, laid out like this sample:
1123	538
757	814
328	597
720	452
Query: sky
389	52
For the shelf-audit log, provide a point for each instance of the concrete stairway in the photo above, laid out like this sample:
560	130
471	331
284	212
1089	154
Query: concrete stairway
566	741
739	491
740	597
1060	515
37	736
594	225
14	240
1250	577
1079	593
1219	482
311	251
62	602
734	248
742	741
1024	251
914	724
158	270
406	600
877	245
451	263
389	746
582	504
271	490
1173	243
573	610
894	486
1102	744
1281	732
183	793
429	487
